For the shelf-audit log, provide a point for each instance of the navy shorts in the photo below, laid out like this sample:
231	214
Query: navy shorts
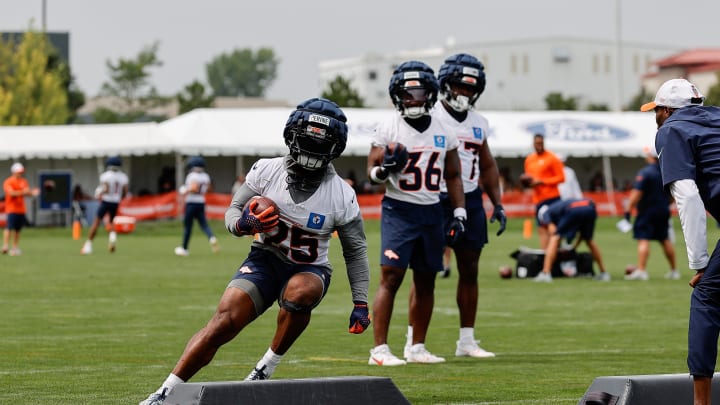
476	232
15	222
651	225
412	235
107	208
704	326
580	219
264	276
542	204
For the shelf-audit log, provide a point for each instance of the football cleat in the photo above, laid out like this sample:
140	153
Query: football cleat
180	251
87	248
471	349
214	245
419	354
156	398
258	374
381	356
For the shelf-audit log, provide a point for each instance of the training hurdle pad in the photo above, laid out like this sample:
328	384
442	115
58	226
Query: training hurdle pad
330	390
660	389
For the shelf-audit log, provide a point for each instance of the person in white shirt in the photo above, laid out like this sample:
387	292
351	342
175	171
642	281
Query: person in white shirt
112	189
197	184
570	188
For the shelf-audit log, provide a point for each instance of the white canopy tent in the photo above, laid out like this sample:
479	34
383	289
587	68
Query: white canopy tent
253	132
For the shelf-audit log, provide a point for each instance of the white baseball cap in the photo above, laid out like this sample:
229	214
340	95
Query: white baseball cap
675	93
17	168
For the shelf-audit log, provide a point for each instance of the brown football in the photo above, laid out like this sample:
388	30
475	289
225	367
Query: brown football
263	204
505	272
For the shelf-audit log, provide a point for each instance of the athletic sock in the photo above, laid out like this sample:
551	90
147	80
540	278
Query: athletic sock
467	334
170	383
409	336
270	360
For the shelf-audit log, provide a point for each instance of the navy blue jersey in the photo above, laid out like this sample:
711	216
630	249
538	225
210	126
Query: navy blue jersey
688	144
649	182
571	216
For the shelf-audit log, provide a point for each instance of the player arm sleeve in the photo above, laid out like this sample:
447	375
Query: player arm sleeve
693	220
234	211
558	177
354	246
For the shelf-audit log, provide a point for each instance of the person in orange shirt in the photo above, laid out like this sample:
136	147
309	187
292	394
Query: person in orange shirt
16	188
543	173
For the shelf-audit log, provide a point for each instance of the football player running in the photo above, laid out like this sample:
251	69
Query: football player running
462	81
288	262
410	154
112	189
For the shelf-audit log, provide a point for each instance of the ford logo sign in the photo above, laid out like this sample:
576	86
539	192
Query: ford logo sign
578	131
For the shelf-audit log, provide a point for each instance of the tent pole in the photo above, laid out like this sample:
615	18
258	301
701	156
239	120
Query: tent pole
179	180
609	190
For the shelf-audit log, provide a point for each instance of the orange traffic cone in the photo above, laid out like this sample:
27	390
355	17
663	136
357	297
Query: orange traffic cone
527	229
76	229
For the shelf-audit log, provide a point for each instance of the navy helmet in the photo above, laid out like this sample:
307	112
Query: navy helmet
195	161
413	89
316	133
461	70
113	161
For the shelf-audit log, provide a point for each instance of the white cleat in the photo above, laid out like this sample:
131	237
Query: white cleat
471	349
87	248
672	275
543	277
381	356
180	251
156	398
638	274
214	245
419	354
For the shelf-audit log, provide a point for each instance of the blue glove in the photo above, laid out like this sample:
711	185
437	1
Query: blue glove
359	318
455	231
395	161
499	215
251	223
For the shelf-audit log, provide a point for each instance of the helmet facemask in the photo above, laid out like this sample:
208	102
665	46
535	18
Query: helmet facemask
312	146
461	96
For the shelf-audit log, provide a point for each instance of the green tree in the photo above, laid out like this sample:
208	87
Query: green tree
597	107
556	101
130	88
713	95
31	89
340	91
242	72
193	97
639	99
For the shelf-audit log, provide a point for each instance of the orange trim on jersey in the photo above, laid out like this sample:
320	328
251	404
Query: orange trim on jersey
548	169
580	203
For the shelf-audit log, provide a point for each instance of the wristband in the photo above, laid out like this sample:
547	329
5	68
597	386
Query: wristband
460	212
378	174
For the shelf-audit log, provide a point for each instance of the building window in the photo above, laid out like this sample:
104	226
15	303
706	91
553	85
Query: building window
372	75
526	64
607	63
561	55
513	64
636	63
596	64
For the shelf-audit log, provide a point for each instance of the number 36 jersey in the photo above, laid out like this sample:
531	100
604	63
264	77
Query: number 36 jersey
419	181
305	228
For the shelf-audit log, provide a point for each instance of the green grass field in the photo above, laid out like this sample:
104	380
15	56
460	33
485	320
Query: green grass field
107	329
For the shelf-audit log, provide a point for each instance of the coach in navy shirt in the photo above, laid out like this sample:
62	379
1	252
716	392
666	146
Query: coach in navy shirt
688	145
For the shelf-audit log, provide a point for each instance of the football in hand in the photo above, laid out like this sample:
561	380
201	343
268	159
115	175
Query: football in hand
526	180
264	203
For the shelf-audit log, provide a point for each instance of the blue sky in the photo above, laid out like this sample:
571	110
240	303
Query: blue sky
191	33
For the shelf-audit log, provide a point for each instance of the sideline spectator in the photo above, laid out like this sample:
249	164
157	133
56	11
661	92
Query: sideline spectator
688	143
653	216
543	173
16	188
570	188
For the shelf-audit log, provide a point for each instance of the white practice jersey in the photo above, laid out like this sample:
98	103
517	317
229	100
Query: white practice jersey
202	179
419	182
471	134
305	228
114	181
